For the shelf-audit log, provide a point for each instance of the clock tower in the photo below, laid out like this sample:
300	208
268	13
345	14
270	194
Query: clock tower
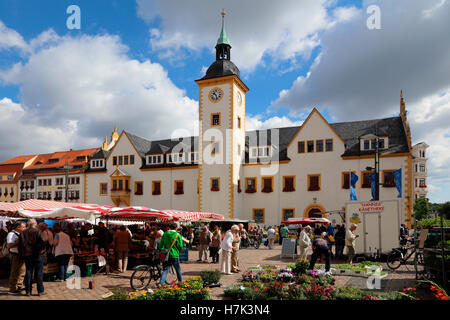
221	142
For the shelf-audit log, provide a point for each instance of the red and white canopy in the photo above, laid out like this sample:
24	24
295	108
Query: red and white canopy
148	214
43	209
135	214
193	216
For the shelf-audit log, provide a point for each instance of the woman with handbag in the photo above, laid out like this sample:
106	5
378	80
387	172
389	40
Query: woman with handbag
171	246
235	250
226	246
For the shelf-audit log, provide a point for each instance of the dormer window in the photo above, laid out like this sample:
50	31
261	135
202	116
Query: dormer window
175	158
53	160
155	159
260	152
81	158
370	144
97	163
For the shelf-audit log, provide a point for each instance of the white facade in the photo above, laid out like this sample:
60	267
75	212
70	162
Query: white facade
329	165
420	170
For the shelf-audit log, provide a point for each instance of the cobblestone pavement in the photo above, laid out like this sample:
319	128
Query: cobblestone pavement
248	257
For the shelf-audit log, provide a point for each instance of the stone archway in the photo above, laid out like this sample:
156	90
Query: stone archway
314	211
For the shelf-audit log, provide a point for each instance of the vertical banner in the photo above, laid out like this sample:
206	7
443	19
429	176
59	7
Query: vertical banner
398	181
372	184
353	180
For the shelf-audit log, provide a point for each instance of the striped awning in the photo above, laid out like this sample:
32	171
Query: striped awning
193	216
136	213
44	209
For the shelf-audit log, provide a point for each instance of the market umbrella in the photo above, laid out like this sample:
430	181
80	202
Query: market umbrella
136	213
194	216
45	209
306	220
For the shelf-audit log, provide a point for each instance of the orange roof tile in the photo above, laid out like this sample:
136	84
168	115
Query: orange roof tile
18	160
10	169
59	159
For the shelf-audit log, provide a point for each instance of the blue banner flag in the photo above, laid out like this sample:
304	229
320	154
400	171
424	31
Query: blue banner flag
372	184
398	181
353	180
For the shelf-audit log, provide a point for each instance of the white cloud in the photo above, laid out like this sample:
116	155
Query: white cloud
73	91
282	31
10	38
257	123
26	137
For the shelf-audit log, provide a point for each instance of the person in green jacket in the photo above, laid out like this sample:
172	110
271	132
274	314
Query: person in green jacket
283	233
169	237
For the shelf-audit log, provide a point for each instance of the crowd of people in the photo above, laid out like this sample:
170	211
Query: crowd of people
32	245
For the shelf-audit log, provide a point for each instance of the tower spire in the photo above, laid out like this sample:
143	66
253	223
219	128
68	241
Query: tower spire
223	46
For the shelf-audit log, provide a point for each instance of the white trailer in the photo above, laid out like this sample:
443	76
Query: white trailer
378	225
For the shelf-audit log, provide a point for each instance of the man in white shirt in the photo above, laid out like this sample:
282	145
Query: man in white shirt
271	236
350	242
227	246
305	242
17	273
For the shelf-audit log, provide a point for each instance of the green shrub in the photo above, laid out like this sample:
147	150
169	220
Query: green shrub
210	276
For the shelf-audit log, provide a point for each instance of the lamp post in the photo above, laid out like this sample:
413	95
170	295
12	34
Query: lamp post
376	169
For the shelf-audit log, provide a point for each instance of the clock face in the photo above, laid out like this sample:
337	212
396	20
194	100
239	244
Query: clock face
215	94
239	98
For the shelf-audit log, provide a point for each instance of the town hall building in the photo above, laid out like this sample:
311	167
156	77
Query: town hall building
263	175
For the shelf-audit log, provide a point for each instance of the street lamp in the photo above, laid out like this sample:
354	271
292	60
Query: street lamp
376	169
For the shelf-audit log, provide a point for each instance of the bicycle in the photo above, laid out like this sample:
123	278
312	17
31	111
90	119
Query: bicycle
400	256
254	241
144	274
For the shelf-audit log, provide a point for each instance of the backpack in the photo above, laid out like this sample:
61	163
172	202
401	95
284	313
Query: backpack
5	250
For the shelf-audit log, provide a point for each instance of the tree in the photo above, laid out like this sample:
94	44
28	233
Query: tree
421	208
444	210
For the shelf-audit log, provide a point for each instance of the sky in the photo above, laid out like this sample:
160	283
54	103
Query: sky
133	64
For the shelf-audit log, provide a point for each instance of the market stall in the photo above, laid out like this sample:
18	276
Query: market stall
60	211
141	250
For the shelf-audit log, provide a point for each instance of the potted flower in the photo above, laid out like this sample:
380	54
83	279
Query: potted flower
210	278
286	276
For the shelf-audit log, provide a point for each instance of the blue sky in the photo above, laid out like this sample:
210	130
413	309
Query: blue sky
68	88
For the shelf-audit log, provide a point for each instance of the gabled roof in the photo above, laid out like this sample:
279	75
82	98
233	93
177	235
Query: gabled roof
100	154
167	145
120	172
392	128
10	169
140	144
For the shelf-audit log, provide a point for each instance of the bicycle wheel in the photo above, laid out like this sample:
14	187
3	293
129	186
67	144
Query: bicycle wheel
141	277
394	260
171	276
